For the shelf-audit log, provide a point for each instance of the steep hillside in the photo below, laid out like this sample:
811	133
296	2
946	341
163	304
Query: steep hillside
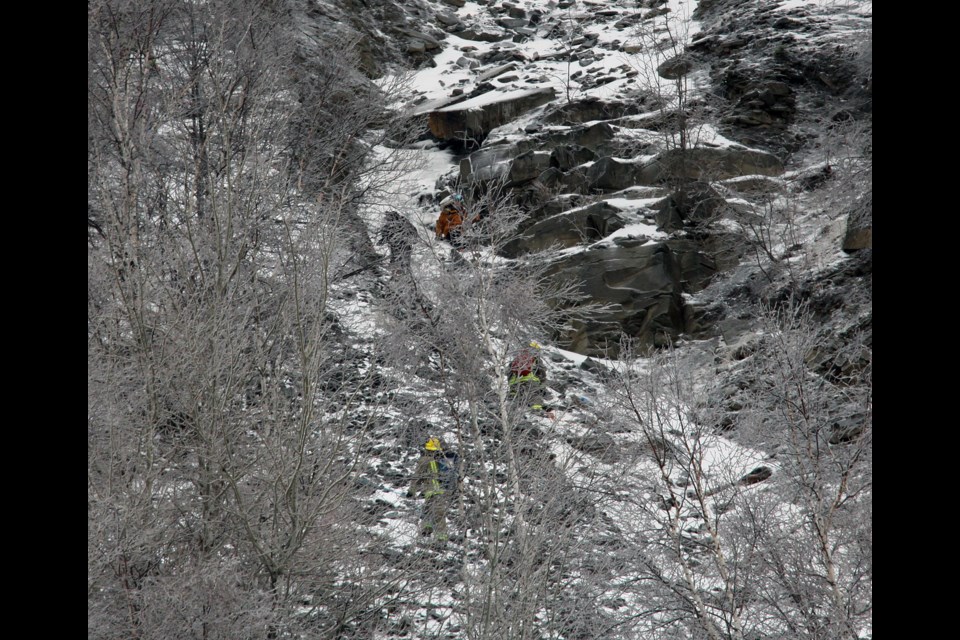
667	203
693	239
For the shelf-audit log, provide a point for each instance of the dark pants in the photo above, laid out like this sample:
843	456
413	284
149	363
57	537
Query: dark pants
434	519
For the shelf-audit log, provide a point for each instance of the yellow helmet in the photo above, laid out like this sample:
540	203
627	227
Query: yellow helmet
433	444
534	344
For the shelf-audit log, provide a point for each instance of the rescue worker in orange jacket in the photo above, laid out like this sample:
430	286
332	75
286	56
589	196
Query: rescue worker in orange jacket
451	219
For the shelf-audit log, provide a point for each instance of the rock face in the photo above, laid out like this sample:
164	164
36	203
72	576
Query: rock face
695	202
859	233
570	150
475	118
599	137
641	287
591	109
528	166
706	163
568	156
764	85
567	229
614	174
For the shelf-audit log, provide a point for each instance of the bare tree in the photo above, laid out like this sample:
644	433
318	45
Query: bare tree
519	518
662	65
817	545
684	562
226	413
767	535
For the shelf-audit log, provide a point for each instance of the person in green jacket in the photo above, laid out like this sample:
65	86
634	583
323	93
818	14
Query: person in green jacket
527	378
430	482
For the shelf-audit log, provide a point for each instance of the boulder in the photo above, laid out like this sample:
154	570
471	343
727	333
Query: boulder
482	35
447	19
429	42
473	119
859	234
568	156
708	163
614	174
641	288
496	71
675	67
598	444
467	63
757	475
512	23
567	229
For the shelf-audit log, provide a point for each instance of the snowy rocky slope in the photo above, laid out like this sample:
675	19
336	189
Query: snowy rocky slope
570	99
569	109
673	198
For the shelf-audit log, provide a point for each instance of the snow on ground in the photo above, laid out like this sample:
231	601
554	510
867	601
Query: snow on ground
723	460
546	63
860	7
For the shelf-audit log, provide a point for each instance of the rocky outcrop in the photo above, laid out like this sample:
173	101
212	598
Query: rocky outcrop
709	163
768	62
698	164
695	202
473	119
527	166
568	156
599	137
614	174
591	109
859	234
639	289
586	146
488	163
567	229
503	162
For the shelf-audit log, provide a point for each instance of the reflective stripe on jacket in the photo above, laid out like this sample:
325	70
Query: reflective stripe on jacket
527	378
426	477
435	479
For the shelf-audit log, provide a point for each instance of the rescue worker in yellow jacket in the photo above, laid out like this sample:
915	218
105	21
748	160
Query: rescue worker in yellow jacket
429	480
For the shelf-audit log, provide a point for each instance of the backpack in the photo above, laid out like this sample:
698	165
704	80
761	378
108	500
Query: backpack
522	365
448	467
